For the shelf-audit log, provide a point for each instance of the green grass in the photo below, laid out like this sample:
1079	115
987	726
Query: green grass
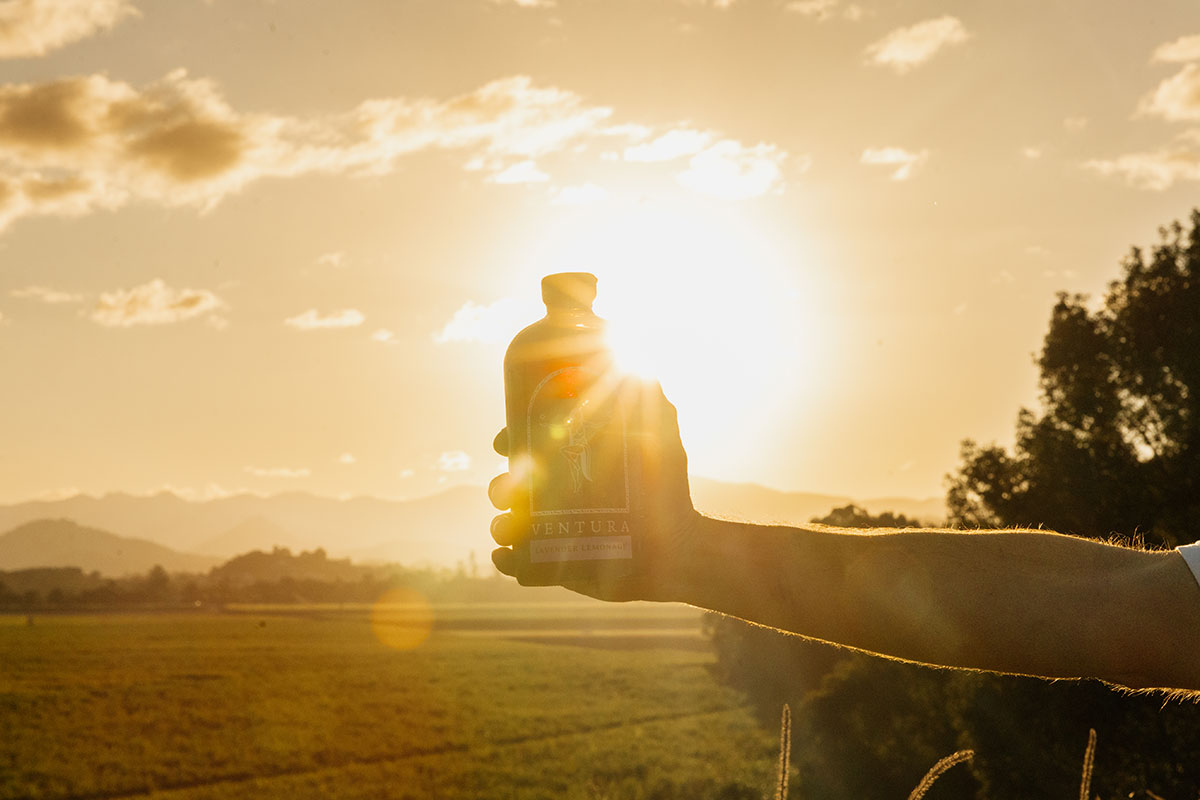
312	705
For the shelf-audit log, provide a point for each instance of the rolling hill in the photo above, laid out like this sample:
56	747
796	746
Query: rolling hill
63	543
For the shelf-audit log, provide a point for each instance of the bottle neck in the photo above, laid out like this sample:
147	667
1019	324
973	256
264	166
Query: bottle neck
564	312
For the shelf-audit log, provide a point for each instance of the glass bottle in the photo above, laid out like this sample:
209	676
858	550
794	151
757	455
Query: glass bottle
567	442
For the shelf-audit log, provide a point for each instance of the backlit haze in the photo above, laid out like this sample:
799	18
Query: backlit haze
281	246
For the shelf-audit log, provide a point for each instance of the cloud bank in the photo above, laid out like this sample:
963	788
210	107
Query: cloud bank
79	144
76	145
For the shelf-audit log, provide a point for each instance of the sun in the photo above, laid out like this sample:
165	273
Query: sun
704	300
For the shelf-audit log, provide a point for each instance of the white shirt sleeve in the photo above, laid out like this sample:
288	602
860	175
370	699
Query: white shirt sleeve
1191	554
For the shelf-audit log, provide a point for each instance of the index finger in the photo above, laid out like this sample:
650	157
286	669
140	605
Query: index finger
500	443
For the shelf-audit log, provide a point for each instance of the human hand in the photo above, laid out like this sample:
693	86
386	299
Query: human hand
662	499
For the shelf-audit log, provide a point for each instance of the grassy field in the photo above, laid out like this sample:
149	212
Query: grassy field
583	701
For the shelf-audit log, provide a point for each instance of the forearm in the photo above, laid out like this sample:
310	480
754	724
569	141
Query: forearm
1025	602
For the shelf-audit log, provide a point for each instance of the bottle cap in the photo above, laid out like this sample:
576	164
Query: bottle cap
569	290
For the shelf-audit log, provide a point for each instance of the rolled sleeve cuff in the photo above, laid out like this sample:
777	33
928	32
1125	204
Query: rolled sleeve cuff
1191	554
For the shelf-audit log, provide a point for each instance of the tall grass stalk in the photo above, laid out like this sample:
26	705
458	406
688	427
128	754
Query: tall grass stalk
785	753
1089	757
936	771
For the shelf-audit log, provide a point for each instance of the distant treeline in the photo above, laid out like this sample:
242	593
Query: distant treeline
256	577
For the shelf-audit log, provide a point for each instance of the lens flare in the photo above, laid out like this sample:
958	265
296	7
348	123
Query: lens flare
632	350
402	619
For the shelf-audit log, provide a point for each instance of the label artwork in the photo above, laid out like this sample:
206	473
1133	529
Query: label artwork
578	441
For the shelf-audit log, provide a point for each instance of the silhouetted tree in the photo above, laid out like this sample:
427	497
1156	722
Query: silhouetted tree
1114	449
157	587
852	516
1116	445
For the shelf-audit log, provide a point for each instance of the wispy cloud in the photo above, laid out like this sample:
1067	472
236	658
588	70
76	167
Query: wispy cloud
212	491
1185	48
670	145
906	163
31	28
483	323
454	461
383	336
312	319
1176	98
279	472
525	3
906	48
1155	170
153	303
823	10
347	459
734	171
1060	273
720	167
46	295
521	172
336	260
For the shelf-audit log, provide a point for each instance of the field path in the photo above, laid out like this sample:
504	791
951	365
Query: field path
411	753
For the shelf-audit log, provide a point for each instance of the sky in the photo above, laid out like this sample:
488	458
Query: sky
281	245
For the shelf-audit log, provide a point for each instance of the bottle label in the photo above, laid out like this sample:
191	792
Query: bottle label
591	548
579	484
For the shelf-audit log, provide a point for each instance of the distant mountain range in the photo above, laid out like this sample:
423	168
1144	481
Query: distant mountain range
438	530
61	542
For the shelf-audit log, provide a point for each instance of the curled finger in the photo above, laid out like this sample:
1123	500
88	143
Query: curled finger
501	490
505	561
504	530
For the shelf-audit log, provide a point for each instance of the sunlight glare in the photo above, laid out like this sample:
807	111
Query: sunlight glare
701	299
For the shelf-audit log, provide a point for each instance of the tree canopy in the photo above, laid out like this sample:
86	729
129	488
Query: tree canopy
1115	447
